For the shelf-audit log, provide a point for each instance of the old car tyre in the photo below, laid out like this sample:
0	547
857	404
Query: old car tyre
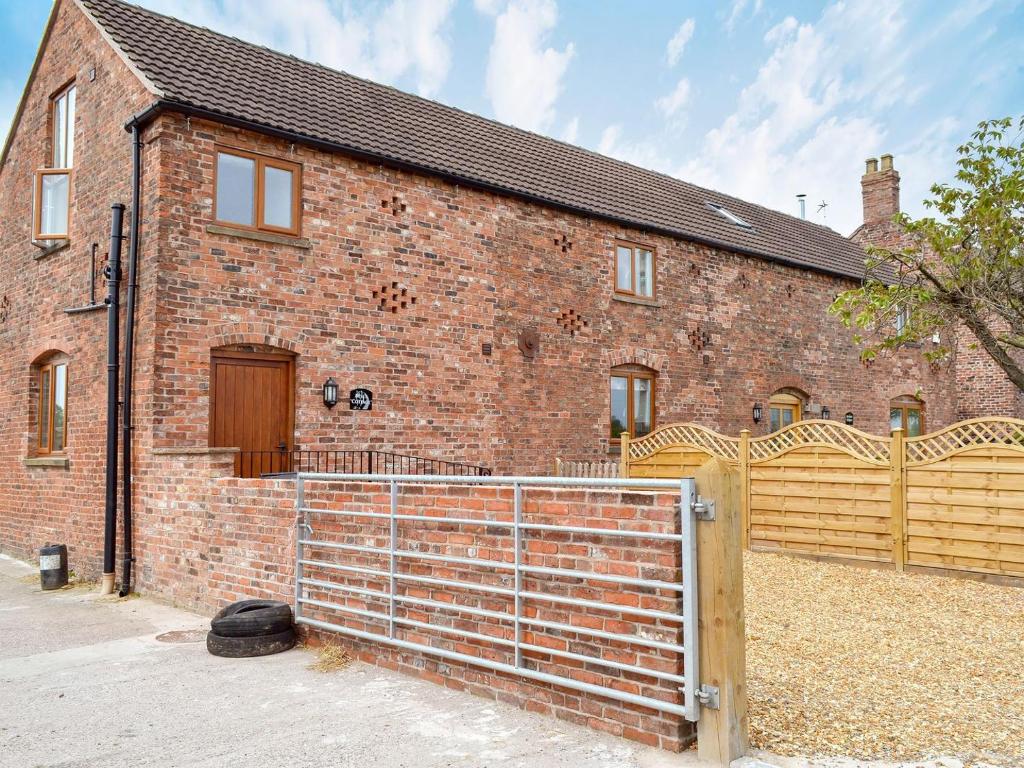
252	618
242	647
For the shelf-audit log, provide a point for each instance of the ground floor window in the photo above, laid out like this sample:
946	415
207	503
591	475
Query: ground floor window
783	410
907	413
52	380
632	401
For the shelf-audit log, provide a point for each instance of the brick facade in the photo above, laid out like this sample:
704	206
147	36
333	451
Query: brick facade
724	332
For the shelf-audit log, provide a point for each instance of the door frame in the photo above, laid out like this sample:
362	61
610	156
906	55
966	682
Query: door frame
276	357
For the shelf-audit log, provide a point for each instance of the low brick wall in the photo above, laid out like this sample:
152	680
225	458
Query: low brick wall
637	558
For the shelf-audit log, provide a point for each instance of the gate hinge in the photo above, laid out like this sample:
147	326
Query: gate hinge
705	509
707	695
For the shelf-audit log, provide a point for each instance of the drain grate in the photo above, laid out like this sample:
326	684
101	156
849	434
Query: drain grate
183	636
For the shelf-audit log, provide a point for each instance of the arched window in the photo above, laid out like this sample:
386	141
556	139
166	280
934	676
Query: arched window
632	400
50	382
906	412
784	408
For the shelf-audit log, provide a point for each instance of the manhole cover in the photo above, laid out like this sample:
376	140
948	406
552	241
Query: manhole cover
183	636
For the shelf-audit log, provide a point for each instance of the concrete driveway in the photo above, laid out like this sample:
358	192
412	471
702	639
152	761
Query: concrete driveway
84	682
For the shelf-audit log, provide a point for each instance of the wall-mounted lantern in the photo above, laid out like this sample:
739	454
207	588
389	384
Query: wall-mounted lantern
826	412
330	392
848	419
757	413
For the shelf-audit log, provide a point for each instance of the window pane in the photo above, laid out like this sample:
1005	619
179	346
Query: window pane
69	128
787	416
60	398
895	418
620	405
53	218
59	131
774	419
236	184
644	273
642	406
44	410
277	197
913	422
624	269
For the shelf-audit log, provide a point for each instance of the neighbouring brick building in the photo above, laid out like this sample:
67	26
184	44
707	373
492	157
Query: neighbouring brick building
506	298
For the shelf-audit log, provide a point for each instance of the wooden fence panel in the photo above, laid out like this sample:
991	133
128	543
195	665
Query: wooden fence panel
678	450
822	501
965	498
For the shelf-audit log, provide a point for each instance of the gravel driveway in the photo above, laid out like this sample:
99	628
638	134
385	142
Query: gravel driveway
876	664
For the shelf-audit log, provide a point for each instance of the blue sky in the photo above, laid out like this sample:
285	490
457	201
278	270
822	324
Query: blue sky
759	99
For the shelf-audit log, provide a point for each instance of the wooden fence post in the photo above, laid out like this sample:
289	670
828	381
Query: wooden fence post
624	456
722	734
745	485
558	466
898	496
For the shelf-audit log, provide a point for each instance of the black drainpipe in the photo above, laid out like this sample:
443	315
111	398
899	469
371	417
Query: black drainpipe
113	338
129	349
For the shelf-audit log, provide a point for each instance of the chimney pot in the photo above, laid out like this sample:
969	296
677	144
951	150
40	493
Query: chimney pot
871	165
886	162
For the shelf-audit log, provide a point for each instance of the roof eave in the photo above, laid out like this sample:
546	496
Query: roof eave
162	105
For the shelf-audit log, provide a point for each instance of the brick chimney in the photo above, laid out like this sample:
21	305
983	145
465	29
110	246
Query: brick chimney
880	188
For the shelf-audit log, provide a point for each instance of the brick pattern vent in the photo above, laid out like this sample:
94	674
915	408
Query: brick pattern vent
391	298
572	321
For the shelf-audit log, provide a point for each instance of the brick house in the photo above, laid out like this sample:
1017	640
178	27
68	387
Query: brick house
506	298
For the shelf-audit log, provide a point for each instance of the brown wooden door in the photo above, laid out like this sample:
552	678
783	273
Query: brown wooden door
251	408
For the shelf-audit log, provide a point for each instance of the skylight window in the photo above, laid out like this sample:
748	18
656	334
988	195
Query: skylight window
727	214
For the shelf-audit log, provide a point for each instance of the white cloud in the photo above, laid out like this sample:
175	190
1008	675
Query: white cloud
403	39
572	130
814	110
737	9
673	102
677	44
524	76
489	7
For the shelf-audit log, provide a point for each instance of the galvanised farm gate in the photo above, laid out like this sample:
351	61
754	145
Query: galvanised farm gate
586	590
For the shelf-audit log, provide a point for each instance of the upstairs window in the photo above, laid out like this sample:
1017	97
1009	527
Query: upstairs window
53	184
53	400
256	192
634	270
632	401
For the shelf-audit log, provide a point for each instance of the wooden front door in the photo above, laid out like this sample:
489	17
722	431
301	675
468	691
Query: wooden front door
252	408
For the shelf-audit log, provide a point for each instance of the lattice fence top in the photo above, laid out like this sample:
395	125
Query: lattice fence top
691	435
958	437
830	434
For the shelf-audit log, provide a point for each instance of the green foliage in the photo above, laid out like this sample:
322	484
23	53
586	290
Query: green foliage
962	267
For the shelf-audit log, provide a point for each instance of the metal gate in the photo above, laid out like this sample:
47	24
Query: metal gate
336	537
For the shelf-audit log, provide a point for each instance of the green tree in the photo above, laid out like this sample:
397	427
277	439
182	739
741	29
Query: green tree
962	268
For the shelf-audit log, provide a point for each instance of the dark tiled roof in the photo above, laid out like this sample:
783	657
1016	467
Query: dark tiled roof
195	67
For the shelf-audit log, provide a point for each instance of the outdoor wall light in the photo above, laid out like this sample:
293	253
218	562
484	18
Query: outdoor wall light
330	392
757	413
826	412
848	418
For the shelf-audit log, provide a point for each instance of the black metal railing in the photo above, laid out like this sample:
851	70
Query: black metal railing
266	463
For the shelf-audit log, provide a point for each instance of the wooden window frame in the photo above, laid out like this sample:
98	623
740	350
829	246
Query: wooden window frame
630	373
37	216
50	369
633	247
781	400
262	162
903	405
51	170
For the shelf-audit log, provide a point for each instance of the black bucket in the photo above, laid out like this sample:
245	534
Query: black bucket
53	566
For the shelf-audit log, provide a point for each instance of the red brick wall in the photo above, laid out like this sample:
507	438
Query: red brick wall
210	539
483	269
40	504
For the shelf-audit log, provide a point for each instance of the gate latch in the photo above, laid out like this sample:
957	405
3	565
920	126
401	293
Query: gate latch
705	509
707	695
